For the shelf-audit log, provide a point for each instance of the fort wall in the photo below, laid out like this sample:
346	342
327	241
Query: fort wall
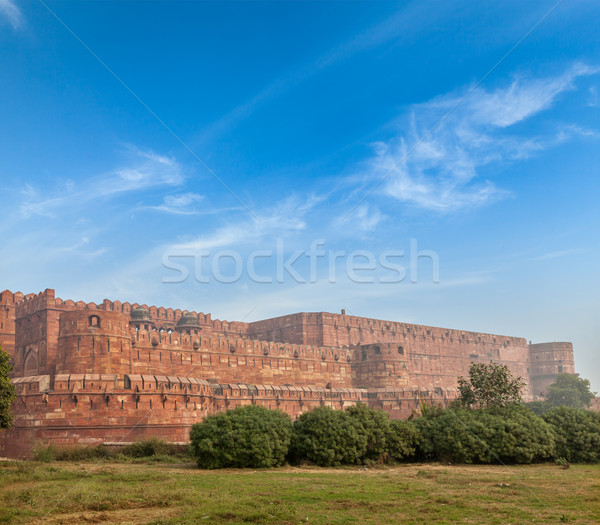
92	373
434	356
104	342
90	409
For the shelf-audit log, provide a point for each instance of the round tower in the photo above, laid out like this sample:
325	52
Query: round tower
93	342
381	365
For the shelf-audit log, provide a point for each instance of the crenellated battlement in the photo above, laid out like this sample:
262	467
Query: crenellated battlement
10	298
8	302
32	303
161	316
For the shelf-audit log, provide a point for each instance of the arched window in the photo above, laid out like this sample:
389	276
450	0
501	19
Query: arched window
401	350
94	320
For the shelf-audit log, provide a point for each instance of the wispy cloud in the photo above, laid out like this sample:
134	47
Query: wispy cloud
80	248
10	10
557	254
146	170
149	169
364	219
181	204
440	171
523	98
286	217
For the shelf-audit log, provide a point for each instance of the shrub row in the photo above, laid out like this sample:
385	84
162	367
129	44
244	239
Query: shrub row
577	434
253	436
511	434
256	437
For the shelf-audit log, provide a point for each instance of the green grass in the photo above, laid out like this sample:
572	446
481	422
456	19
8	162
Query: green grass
163	493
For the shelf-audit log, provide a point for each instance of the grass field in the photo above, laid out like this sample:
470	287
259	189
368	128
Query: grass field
163	493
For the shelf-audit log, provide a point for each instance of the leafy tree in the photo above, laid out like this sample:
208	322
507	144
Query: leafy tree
571	391
328	438
251	436
577	433
489	385
7	390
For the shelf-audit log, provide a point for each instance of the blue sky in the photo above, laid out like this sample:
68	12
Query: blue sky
215	137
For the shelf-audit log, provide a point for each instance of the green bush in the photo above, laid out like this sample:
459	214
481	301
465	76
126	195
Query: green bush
387	440
402	440
249	436
376	424
502	434
539	407
577	434
328	438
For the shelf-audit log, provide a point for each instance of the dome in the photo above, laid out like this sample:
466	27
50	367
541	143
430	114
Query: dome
188	321
141	314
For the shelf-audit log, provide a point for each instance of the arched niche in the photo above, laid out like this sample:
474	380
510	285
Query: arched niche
31	363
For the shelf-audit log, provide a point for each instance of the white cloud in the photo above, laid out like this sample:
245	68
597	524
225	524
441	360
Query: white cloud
181	204
523	98
436	176
368	219
9	9
435	159
286	217
146	170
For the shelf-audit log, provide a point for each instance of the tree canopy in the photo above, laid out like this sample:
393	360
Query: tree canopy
7	390
569	390
489	385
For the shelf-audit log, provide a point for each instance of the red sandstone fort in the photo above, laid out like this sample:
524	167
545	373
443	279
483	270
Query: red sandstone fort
117	372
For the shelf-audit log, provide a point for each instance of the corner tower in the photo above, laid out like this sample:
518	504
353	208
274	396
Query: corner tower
547	360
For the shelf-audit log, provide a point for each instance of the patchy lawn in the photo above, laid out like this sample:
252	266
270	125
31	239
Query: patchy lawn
161	493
